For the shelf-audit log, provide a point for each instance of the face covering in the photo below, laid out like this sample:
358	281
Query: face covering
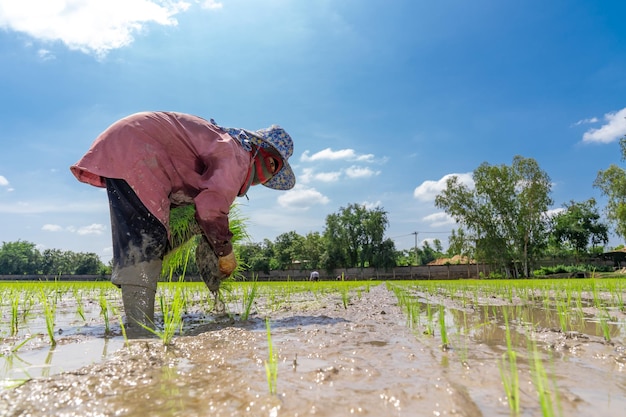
265	164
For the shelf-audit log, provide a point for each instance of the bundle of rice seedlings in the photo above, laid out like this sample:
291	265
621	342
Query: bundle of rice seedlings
188	240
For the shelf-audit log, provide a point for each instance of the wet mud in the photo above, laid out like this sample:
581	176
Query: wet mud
334	359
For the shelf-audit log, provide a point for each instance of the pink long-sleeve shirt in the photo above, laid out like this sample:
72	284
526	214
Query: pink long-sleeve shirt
172	159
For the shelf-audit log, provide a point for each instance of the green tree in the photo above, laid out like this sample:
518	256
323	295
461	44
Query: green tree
313	249
288	249
354	237
335	251
426	253
25	259
404	257
461	243
612	183
256	256
384	255
88	264
578	226
55	261
505	210
19	257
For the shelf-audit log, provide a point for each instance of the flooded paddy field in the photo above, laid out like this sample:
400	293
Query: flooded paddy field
397	348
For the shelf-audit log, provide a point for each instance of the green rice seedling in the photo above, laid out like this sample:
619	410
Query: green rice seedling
508	369
15	314
80	309
409	305
414	313
442	328
122	326
49	309
28	300
430	328
249	294
172	315
464	334
171	311
604	325
345	296
271	365
16	348
563	313
185	235
104	312
547	398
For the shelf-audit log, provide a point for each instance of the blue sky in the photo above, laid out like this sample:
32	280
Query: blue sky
384	100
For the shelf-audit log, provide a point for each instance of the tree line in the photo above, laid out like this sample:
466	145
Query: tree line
23	258
352	237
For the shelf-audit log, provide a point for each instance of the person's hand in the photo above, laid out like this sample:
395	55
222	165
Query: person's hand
227	264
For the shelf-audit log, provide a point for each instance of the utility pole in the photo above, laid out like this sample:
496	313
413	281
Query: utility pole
415	233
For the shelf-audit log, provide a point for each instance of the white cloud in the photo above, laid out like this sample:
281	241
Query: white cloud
329	155
92	229
309	175
90	26
360	172
587	121
328	176
439	219
3	181
371	205
613	129
51	228
301	197
212	5
45	55
428	190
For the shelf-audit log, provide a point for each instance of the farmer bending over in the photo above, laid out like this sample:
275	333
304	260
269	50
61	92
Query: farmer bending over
151	162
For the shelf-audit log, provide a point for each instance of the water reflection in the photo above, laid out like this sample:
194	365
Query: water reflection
18	366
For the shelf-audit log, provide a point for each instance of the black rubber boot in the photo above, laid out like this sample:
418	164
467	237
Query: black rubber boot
139	308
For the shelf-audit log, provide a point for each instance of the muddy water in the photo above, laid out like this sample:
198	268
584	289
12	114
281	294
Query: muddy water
334	361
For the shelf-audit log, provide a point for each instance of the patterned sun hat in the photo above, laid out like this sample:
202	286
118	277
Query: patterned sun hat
273	138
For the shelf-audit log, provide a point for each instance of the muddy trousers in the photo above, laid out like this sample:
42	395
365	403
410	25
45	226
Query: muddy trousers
139	243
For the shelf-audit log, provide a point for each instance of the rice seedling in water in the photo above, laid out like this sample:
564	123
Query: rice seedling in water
404	303
104	312
122	326
604	325
442	328
271	365
508	369
78	296
562	312
172	314
548	399
12	352
345	296
430	327
15	314
249	294
49	309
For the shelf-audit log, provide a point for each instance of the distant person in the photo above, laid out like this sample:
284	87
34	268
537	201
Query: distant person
315	276
151	162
